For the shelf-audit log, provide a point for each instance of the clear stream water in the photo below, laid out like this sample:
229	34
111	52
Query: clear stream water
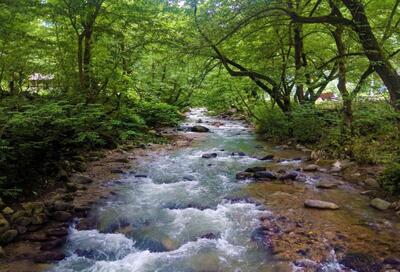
156	223
161	218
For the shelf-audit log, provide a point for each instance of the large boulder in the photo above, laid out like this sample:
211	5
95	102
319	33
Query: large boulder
380	204
319	204
199	128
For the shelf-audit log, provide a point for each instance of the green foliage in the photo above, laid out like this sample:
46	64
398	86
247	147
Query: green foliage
390	178
159	114
306	124
36	136
272	123
373	118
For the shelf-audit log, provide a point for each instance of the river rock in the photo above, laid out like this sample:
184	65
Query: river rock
49	256
244	175
326	185
380	204
267	158
2	252
291	175
33	207
8	236
23	221
199	128
62	206
117	171
255	169
209	155
62	216
71	187
80	179
319	204
311	168
4	224
8	211
39	219
59	232
370	182
52	244
264	175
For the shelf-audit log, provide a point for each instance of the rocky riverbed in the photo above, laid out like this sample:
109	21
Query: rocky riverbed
216	199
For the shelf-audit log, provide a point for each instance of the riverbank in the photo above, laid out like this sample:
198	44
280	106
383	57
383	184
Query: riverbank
37	243
351	230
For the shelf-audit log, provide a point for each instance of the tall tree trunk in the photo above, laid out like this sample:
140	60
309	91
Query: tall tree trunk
298	54
347	101
80	61
86	63
374	52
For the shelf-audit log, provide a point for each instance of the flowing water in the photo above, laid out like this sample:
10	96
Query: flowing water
156	223
181	212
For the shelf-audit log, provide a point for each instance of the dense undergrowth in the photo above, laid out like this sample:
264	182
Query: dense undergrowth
374	138
40	137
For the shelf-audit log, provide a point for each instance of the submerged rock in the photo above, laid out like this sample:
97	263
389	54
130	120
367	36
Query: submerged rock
319	204
209	155
199	128
380	204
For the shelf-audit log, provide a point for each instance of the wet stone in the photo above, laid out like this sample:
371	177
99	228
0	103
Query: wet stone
199	128
209	155
255	169
81	179
267	158
319	204
380	204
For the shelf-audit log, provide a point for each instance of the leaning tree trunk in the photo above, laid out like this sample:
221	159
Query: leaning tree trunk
374	52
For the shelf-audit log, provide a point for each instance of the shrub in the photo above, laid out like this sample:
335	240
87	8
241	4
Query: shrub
272	123
390	178
158	114
37	136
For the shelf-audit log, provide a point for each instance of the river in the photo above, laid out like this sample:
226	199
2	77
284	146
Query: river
181	212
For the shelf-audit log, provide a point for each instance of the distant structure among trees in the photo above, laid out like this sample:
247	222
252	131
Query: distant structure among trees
39	81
